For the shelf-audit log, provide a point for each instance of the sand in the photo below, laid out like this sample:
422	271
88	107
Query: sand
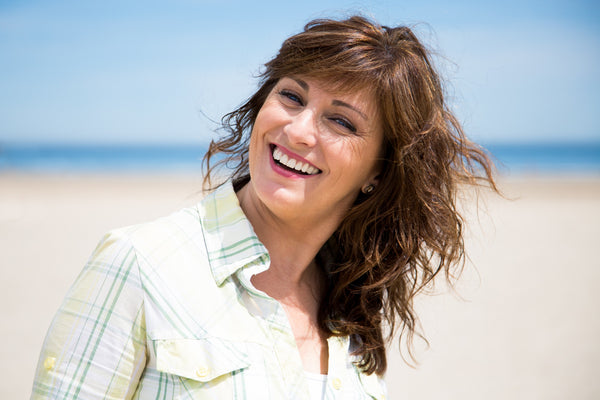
525	326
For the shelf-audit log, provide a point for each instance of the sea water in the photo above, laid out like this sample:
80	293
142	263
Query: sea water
511	158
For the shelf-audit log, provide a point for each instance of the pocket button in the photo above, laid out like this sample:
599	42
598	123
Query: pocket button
202	372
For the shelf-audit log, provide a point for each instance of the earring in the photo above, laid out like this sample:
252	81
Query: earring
368	189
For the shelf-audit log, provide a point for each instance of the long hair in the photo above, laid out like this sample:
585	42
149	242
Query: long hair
395	240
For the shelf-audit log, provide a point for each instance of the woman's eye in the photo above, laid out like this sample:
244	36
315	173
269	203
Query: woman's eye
344	123
291	96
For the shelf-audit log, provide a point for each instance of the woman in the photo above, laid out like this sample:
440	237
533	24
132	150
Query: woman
341	207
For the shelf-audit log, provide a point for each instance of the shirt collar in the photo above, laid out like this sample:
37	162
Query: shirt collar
229	237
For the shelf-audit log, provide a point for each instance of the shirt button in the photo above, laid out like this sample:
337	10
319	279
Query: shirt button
336	383
49	363
202	372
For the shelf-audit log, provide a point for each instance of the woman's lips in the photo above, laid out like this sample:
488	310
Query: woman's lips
285	159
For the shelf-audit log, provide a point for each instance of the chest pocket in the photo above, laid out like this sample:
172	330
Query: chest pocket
201	360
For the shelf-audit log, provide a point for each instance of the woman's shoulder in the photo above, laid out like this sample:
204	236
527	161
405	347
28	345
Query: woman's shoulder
156	241
185	222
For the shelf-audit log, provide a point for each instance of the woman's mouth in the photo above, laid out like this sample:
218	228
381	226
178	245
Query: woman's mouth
291	164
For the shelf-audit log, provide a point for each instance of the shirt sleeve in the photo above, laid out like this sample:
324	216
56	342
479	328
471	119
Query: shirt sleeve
95	347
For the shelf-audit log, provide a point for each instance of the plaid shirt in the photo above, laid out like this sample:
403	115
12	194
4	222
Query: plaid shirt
166	310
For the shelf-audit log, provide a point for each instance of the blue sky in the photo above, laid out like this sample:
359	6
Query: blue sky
146	71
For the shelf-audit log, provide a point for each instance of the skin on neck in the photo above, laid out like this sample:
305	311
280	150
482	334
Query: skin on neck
292	242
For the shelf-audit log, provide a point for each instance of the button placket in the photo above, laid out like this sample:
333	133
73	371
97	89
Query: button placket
336	383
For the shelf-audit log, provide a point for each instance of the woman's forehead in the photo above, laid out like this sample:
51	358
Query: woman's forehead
342	83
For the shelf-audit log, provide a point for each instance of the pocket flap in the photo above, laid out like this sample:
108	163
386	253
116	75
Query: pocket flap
200	359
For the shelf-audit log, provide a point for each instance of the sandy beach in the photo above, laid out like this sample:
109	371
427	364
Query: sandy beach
523	323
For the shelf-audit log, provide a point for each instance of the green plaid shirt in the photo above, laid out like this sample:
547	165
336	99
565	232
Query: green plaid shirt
166	310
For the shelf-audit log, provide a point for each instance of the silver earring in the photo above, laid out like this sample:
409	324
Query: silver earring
368	189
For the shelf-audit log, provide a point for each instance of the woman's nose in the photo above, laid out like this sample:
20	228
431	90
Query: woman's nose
303	128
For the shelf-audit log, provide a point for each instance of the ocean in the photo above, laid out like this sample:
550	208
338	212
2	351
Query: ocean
511	158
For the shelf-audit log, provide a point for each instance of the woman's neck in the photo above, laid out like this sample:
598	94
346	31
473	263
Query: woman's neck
292	244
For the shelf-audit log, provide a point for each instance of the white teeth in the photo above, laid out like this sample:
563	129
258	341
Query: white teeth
292	163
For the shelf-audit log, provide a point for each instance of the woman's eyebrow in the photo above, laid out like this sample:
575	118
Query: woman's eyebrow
302	84
305	86
350	106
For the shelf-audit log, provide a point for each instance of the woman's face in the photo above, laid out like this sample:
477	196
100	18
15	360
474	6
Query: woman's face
313	149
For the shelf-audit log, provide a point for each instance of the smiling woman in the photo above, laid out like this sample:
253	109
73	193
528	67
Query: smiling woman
379	103
340	209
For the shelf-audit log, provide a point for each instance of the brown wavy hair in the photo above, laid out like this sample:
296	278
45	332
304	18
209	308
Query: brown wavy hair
395	240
